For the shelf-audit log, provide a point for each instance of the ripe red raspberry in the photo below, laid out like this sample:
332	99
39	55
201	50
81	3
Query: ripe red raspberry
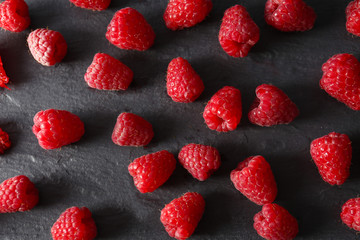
253	178
132	130
200	160
181	14
289	15
108	73
223	112
238	32
75	224
14	15
4	79
275	223
4	141
129	30
353	17
18	194
271	107
350	214
97	5
181	216
183	83
57	128
332	155
152	170
341	79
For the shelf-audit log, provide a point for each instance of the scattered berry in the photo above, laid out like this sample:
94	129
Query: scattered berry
253	178
57	128
353	17
152	170
18	194
132	130
181	216
97	5
275	223
223	112
181	14
271	107
4	79
238	32
75	224
108	73
129	30
350	214
48	47
183	83
4	141
332	155
341	79
14	15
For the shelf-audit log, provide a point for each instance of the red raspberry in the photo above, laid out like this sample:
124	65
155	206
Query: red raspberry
183	83
223	112
4	79
108	73
129	30
350	213
14	15
75	224
132	130
341	79
152	170
200	160
181	216
18	194
253	178
289	15
97	5
275	223
332	155
57	128
238	32
181	14
4	141
353	17
271	107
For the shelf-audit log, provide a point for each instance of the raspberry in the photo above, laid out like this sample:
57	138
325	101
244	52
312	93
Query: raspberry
75	224
18	194
181	14
353	17
108	73
271	107
57	128
350	213
341	79
223	112
332	155
152	170
132	130
48	47
275	223
4	79
97	5
14	15
4	141
128	29
183	83
253	178
238	32
181	216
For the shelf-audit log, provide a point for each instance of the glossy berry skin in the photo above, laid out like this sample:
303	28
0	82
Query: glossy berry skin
341	79
181	14
97	5
128	29
350	213
253	178
289	15
56	128
48	47
353	17
275	223
132	130
182	82
181	216
332	155
74	224
223	112
108	73
4	141
152	170
200	160
14	15
18	194
238	32
4	79
271	107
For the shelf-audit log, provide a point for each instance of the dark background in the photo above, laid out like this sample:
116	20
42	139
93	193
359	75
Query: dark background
93	172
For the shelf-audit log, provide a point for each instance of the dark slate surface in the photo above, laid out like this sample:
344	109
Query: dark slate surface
93	172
